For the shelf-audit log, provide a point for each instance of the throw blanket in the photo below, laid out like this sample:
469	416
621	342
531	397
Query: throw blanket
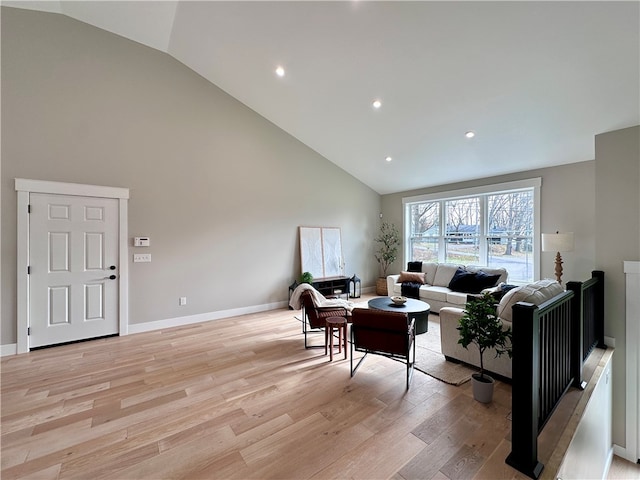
410	289
320	300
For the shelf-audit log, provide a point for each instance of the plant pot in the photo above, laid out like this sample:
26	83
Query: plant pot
482	388
381	286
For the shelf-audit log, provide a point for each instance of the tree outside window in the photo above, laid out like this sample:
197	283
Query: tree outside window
494	229
424	234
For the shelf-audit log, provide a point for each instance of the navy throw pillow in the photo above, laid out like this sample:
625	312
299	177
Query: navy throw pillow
462	281
470	282
485	280
414	267
501	292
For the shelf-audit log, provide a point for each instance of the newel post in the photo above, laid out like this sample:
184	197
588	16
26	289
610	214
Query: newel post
576	355
525	401
599	306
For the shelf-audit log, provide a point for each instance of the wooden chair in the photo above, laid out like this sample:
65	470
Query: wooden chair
314	317
383	333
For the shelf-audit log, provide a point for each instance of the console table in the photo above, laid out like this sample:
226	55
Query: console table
328	286
332	286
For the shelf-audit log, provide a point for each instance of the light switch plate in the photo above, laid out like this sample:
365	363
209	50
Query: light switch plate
141	257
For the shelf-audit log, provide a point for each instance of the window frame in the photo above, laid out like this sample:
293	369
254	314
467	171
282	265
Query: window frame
484	191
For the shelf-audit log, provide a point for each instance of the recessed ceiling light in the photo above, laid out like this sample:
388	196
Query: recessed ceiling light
470	134
377	104
280	71
388	159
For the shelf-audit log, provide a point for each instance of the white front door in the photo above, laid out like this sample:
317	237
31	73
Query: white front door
73	268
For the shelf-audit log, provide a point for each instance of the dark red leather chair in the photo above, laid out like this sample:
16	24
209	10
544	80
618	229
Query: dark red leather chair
383	333
314	317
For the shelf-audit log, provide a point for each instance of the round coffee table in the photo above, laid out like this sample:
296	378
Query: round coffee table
416	309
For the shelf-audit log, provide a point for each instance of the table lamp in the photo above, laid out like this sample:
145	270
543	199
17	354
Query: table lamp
557	242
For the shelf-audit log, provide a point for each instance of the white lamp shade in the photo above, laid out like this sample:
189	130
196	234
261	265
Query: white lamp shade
557	242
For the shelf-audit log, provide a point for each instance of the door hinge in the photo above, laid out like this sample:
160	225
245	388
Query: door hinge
29	208
28	330
28	270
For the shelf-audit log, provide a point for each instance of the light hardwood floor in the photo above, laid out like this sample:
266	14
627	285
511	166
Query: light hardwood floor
622	469
239	398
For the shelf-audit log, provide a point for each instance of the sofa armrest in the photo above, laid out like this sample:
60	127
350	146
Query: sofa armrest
449	334
450	315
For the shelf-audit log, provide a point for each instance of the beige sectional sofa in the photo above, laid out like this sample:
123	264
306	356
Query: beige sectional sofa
536	293
437	278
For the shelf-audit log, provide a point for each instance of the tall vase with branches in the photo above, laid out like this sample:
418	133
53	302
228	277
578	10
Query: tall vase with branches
387	253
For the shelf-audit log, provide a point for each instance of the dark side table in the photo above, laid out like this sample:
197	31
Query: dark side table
416	309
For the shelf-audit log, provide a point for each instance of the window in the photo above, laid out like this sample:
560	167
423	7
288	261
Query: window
493	225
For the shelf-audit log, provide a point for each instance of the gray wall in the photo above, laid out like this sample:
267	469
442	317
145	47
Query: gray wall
567	204
220	190
617	193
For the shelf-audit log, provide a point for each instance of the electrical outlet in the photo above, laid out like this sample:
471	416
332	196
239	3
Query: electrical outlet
183	301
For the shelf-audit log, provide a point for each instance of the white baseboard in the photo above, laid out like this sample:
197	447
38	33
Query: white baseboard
623	452
202	317
9	349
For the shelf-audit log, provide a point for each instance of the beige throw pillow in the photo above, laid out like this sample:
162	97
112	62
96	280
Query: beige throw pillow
416	277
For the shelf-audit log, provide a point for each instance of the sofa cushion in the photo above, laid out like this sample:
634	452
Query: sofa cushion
472	282
415	277
444	274
536	293
434	293
429	269
457	298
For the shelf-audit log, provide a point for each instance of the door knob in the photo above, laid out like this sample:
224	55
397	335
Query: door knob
112	277
112	267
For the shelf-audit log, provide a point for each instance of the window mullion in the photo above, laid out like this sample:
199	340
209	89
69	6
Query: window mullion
483	231
441	241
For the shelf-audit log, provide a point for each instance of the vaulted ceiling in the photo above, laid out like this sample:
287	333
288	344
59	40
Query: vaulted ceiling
535	81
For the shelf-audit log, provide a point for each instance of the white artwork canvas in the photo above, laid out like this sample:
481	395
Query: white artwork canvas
321	251
311	251
332	252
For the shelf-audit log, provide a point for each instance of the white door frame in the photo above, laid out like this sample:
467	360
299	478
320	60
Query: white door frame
25	187
631	451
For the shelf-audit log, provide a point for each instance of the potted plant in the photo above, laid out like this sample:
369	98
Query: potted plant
306	277
481	326
389	240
